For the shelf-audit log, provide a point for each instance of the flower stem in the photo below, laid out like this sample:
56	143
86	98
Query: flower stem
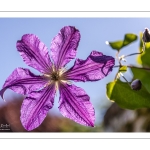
117	56
119	64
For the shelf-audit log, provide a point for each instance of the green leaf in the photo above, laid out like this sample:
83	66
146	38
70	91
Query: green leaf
143	75
123	69
128	38
125	97
144	58
116	45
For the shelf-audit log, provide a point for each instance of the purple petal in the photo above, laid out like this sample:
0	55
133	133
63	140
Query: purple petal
75	105
94	68
36	106
23	81
64	46
34	53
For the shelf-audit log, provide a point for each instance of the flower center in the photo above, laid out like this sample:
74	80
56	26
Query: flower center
55	76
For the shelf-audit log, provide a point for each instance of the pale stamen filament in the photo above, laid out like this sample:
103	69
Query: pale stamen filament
66	81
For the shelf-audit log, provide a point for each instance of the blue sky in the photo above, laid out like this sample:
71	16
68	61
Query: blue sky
94	33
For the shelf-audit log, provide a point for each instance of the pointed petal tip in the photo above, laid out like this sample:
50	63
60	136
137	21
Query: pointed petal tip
88	124
91	124
35	107
2	94
23	81
28	128
60	53
25	126
34	52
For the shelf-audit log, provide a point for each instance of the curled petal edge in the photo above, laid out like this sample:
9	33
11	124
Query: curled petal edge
94	68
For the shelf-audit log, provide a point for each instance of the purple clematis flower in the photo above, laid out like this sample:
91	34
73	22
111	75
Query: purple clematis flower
40	89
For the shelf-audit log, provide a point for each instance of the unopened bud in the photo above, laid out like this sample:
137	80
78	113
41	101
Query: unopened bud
146	35
136	85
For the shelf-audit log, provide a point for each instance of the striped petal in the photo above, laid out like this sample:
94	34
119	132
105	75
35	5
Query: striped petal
23	81
64	46
75	105
36	106
95	67
34	53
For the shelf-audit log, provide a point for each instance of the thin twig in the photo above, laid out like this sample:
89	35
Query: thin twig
125	79
133	54
120	65
116	66
130	66
145	68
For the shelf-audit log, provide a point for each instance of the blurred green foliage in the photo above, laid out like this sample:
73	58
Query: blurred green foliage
144	76
125	97
121	92
144	58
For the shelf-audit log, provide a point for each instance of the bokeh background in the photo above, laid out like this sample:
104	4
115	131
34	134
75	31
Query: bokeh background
94	33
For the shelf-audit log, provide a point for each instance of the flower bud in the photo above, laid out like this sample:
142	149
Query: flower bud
146	35
136	85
